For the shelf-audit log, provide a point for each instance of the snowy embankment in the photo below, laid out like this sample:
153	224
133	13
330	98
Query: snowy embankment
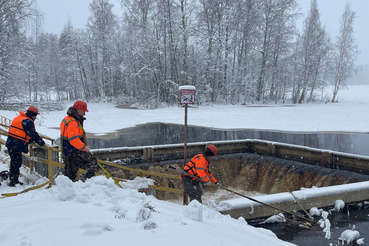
97	212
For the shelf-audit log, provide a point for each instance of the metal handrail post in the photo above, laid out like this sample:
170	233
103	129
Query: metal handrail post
31	155
49	163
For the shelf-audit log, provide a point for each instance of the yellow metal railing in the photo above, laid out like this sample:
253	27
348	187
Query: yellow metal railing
5	121
50	163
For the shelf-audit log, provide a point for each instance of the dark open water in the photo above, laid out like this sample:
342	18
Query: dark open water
316	237
160	133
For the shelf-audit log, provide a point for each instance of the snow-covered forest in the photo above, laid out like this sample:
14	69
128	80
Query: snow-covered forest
233	52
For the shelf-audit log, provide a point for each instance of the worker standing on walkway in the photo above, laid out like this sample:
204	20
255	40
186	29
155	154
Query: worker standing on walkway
196	171
21	133
74	143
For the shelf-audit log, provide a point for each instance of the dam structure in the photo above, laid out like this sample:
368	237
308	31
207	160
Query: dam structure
291	177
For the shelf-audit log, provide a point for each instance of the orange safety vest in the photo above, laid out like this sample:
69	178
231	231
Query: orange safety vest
198	166
73	135
16	128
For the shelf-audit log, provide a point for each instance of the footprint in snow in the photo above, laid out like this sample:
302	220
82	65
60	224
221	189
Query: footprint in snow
96	228
25	241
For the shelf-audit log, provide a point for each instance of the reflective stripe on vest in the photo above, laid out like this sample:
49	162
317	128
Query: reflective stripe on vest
81	136
199	166
190	168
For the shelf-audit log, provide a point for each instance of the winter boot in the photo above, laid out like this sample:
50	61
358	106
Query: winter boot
14	179
14	183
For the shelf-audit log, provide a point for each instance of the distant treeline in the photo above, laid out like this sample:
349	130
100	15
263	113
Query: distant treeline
232	51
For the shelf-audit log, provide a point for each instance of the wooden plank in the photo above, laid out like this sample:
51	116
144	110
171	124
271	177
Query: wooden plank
167	189
169	176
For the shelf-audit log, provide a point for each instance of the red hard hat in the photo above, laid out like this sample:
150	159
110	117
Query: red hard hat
213	149
81	105
33	109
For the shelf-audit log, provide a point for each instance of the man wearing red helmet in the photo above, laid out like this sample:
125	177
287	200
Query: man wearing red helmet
21	133
74	144
196	171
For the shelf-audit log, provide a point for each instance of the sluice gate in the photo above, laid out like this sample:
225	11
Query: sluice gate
307	155
271	168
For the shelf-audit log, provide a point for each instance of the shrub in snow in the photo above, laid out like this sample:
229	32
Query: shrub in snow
349	236
194	211
149	206
143	215
120	214
145	212
150	225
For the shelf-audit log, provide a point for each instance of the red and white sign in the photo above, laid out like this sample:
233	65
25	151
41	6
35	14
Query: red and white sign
187	94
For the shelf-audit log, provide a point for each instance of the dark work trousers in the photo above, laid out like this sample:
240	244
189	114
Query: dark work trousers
192	188
15	164
77	160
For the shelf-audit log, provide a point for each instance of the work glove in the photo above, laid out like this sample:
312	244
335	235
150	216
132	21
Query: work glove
87	155
207	183
89	174
219	185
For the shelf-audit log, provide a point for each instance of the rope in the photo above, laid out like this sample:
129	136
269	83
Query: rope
109	175
298	202
271	206
32	188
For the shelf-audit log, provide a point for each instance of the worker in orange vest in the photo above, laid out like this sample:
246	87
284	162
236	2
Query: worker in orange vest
74	143
196	171
21	133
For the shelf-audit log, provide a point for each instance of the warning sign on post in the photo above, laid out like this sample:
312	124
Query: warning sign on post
187	94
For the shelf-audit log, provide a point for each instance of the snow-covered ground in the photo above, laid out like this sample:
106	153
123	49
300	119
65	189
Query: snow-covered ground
99	213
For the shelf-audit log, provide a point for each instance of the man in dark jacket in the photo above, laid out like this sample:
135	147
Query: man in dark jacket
21	133
74	144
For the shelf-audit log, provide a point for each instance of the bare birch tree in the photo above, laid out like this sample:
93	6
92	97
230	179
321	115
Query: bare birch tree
15	15
102	26
346	50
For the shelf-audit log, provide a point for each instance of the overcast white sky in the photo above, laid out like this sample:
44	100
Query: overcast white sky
57	13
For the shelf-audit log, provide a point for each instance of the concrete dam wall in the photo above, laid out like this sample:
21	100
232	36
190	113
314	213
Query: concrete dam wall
254	173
